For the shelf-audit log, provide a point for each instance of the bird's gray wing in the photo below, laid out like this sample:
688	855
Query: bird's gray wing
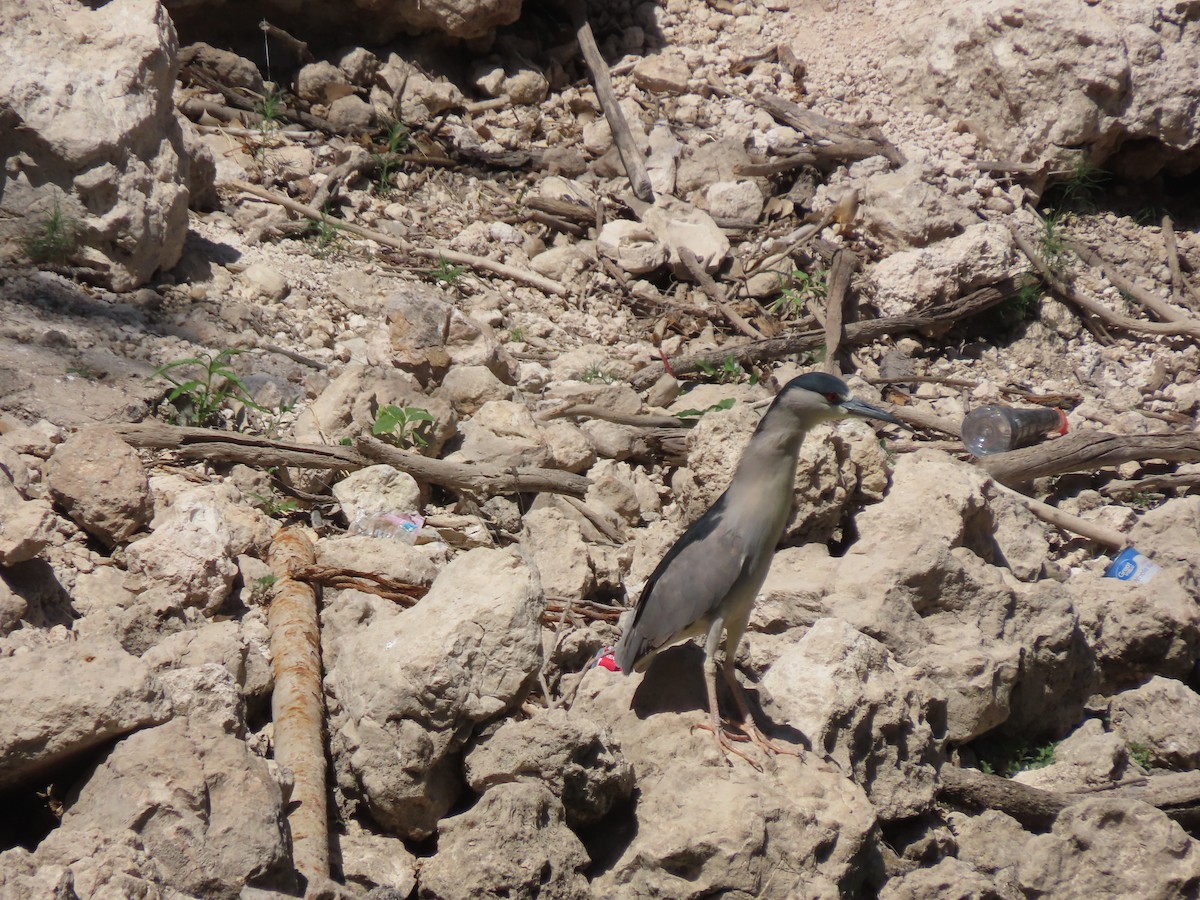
691	581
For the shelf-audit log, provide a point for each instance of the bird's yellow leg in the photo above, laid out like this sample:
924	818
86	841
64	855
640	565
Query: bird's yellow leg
724	737
748	725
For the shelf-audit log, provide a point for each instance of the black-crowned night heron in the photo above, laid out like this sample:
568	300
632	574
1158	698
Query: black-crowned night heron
707	582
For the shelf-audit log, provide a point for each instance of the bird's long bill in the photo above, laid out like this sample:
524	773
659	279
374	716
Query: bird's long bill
855	407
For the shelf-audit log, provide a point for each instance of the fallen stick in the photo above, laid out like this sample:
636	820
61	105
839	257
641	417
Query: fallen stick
297	708
856	333
715	293
845	263
466	259
1110	537
1189	328
1086	451
1152	483
1177	794
627	147
1171	246
251	450
1150	302
818	126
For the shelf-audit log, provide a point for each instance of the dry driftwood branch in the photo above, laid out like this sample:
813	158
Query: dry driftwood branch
592	411
387	240
821	127
1177	481
228	446
474	478
845	263
297	46
715	293
1153	304
1085	451
1110	537
1189	328
1177	794
933	321
627	146
297	707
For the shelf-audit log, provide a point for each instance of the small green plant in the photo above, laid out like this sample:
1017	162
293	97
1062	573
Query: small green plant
328	236
1009	755
1140	754
1080	190
516	335
406	426
803	286
271	108
274	505
399	138
53	237
445	273
595	374
730	371
1054	243
696	413
200	399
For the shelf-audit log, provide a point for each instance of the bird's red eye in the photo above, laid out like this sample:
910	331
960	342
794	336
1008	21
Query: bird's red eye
833	398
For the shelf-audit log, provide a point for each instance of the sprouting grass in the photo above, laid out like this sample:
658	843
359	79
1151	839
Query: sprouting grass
445	273
52	237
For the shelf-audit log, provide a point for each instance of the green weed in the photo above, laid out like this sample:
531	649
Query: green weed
803	287
200	399
445	273
406	426
697	413
53	237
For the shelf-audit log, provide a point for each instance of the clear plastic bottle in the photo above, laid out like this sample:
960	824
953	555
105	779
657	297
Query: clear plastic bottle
994	429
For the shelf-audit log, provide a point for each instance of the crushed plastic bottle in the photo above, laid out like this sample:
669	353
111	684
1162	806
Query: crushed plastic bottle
401	526
995	429
1130	565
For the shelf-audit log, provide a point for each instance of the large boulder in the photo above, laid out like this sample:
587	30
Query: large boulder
93	156
409	686
1120	80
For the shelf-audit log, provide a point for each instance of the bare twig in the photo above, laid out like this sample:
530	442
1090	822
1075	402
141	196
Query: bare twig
856	333
1059	519
297	707
715	293
297	46
627	146
1172	248
1066	291
1153	304
387	240
840	272
818	127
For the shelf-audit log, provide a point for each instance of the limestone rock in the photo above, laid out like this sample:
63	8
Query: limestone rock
837	686
69	698
662	73
1162	716
26	526
1121	87
375	860
900	209
469	387
677	224
632	246
411	684
705	828
206	809
914	279
385	556
377	490
513	843
1106	847
100	482
322	82
428	334
577	760
502	433
91	88
556	545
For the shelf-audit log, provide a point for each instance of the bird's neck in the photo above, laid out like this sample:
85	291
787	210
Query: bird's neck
767	470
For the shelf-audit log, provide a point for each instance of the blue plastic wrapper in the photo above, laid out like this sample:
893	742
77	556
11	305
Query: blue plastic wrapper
1131	566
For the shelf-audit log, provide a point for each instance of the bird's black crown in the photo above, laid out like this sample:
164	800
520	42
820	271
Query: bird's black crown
818	383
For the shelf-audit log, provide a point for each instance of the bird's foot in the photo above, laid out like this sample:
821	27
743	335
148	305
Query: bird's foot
725	741
767	745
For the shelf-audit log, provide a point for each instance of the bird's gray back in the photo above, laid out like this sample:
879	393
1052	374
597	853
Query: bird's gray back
708	563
